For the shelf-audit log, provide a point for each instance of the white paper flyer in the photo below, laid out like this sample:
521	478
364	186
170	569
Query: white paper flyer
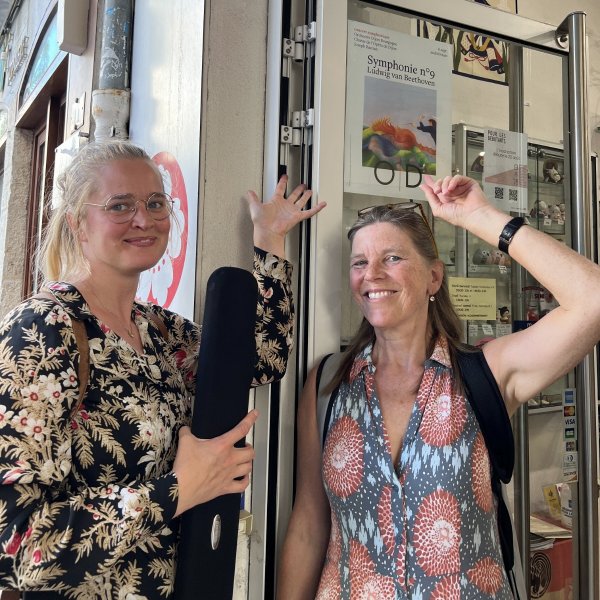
505	169
398	111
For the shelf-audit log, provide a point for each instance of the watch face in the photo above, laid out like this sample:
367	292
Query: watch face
508	232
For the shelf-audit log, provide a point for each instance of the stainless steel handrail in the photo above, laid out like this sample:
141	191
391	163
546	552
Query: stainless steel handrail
585	526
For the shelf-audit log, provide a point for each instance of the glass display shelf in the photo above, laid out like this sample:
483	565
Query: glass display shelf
520	300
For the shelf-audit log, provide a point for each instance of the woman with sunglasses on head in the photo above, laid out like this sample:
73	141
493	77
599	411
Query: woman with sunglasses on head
394	496
91	490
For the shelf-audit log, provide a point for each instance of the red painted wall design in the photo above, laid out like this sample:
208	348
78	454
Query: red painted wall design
159	284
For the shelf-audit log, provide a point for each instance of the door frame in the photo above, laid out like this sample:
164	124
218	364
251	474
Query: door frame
324	249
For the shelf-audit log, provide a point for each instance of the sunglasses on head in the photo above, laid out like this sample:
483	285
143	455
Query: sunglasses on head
404	206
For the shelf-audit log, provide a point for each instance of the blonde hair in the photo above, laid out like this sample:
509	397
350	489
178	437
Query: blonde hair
60	256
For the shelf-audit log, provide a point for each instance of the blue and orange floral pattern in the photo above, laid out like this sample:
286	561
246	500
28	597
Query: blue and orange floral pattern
421	529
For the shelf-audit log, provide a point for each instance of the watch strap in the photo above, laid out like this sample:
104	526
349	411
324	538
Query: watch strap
507	234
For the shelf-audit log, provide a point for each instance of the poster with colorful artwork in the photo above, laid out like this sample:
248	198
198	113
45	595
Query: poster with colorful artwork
398	111
474	55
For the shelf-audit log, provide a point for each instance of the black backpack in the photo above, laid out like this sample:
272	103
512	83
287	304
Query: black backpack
488	405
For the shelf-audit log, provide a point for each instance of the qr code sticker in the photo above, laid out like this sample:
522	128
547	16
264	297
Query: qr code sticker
499	193
513	195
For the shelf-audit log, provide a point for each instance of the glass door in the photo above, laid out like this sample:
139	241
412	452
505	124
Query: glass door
427	91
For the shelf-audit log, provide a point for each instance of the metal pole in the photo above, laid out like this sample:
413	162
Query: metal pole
521	419
110	101
115	58
585	547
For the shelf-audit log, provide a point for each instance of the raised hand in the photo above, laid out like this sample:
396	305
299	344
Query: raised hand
206	469
458	199
274	218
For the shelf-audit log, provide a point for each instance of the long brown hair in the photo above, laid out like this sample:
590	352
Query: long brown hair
442	318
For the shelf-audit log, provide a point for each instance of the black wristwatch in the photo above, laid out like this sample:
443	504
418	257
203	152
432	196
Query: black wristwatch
508	233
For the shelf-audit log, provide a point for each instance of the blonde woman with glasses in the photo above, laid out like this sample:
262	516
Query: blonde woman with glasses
394	495
92	483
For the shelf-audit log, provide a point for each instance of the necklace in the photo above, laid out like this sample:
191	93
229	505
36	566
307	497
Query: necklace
128	327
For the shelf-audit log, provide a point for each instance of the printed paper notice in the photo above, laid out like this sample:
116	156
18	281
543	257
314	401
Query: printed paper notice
570	467
505	169
473	299
398	111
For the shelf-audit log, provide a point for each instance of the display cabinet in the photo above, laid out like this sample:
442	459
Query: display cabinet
520	299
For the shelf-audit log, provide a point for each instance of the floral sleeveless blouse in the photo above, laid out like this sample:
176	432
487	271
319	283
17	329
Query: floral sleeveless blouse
425	528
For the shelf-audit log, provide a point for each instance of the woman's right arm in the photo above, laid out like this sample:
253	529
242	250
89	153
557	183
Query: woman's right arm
525	362
305	545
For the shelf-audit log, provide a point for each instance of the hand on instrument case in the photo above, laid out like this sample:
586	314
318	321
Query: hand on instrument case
206	469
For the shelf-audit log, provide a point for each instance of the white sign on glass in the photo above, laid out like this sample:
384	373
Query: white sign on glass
505	169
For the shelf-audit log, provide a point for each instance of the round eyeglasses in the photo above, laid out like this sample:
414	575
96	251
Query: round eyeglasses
120	208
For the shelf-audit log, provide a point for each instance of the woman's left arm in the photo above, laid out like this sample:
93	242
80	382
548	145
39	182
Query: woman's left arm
526	362
272	220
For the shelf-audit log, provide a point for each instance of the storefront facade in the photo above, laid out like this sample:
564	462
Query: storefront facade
209	97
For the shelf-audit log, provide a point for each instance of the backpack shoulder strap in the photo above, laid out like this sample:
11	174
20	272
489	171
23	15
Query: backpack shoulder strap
160	324
489	408
83	371
325	372
488	405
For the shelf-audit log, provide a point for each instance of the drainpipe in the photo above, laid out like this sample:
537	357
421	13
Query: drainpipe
110	102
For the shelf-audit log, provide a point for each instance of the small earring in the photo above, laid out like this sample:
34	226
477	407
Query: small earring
431	298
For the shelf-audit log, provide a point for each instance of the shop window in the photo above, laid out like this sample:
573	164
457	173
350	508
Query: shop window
47	136
44	55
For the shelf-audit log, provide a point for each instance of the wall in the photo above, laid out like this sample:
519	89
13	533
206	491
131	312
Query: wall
166	78
17	163
233	101
13	217
232	140
81	72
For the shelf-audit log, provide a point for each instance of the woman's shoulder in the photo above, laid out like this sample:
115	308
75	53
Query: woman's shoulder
57	304
35	322
27	311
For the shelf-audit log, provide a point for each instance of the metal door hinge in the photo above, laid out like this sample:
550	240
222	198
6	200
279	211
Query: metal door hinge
301	120
290	136
296	48
246	522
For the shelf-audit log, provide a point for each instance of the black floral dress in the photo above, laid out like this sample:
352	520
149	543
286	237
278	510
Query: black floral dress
87	501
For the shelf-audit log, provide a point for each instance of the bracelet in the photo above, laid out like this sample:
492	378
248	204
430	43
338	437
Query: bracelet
508	233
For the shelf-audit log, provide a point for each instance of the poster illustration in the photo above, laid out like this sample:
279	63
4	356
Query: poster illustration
505	169
474	55
398	111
